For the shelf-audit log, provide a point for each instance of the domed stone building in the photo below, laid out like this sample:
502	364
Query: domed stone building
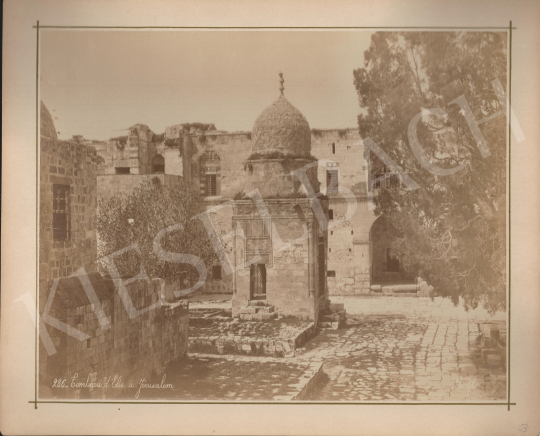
280	252
281	140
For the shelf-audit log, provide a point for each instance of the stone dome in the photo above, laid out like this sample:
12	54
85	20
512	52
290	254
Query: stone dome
47	129
281	128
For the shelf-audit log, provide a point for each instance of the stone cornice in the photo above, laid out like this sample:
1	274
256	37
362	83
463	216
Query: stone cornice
277	207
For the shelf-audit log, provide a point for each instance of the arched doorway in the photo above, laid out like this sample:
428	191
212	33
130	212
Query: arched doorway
257	278
158	164
386	267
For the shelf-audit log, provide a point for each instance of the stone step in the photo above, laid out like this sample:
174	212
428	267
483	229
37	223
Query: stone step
257	303
261	316
265	309
248	310
328	325
256	309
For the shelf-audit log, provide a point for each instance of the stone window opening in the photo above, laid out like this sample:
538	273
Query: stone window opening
158	164
122	170
331	214
61	213
388	182
332	181
216	272
211	185
209	175
331	274
333	148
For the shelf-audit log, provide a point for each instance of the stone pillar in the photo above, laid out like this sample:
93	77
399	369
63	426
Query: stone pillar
311	258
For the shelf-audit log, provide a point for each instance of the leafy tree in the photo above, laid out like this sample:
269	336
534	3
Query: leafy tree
138	216
451	229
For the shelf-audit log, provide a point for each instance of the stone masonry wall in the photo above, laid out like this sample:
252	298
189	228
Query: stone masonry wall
132	348
72	164
349	257
233	149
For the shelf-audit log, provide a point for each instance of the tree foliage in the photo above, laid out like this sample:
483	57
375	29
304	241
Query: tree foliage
137	217
451	229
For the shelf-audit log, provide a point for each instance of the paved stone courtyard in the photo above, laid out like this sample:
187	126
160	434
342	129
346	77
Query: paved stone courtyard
235	378
392	349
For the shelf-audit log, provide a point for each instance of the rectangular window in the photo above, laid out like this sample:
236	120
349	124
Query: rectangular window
122	170
330	274
61	216
216	272
332	183
330	214
211	185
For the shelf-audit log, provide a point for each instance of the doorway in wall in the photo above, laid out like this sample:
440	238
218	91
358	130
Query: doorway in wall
257	281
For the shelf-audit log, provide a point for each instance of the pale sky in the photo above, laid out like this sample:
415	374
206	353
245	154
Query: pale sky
99	83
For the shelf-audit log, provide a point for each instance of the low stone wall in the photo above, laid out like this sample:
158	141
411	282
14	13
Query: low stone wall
118	348
250	345
402	290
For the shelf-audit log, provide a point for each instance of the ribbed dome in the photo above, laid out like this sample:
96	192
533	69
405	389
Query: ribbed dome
281	128
47	128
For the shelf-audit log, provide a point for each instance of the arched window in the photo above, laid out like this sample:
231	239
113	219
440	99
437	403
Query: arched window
158	164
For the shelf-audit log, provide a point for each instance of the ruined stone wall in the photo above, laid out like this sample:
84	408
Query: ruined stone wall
74	165
135	345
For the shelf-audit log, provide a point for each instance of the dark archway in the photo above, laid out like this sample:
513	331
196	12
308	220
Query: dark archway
386	267
158	164
257	279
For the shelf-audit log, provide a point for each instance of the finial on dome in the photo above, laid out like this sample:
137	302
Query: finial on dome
281	81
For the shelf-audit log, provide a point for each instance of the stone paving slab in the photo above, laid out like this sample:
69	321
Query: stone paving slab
202	377
402	358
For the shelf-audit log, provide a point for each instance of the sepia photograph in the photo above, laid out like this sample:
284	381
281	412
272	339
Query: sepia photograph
273	216
270	218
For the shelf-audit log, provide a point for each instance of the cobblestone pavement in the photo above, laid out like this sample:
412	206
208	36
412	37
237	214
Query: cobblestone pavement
233	378
405	349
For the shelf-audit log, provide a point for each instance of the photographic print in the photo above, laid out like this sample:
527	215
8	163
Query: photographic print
245	216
